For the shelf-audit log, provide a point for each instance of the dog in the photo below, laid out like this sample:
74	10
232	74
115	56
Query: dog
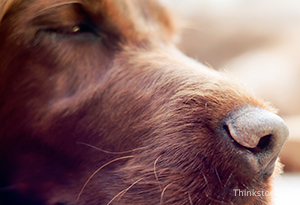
98	106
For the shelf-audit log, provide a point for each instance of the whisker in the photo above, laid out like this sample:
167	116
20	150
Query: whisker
154	168
190	199
218	176
163	192
108	152
89	179
121	193
205	179
227	180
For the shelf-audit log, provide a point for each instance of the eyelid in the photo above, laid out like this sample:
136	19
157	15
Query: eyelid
73	30
86	28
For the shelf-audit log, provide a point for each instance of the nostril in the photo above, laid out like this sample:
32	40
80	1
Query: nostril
256	128
263	144
261	132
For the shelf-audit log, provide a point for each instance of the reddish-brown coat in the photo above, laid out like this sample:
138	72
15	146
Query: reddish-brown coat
152	112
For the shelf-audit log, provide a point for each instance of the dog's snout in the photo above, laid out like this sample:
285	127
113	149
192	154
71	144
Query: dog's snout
252	128
258	130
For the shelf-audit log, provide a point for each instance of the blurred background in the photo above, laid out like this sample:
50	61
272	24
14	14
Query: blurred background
258	42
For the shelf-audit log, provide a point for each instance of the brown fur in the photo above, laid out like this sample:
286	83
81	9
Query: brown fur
121	98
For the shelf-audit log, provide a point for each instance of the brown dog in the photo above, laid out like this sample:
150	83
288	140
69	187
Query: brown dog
97	106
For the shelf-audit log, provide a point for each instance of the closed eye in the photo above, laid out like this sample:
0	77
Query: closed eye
74	30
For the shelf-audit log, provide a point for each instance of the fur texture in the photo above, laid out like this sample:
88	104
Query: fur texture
97	106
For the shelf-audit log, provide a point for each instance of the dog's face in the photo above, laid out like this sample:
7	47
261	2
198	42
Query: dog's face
97	106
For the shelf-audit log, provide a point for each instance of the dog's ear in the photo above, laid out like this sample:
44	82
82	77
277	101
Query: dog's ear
5	5
164	17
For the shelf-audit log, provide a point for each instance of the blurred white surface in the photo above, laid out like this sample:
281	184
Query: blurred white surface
257	41
287	190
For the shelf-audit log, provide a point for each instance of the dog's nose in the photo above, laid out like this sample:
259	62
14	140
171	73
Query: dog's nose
261	132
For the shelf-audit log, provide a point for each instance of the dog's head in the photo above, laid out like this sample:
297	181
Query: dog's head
97	106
